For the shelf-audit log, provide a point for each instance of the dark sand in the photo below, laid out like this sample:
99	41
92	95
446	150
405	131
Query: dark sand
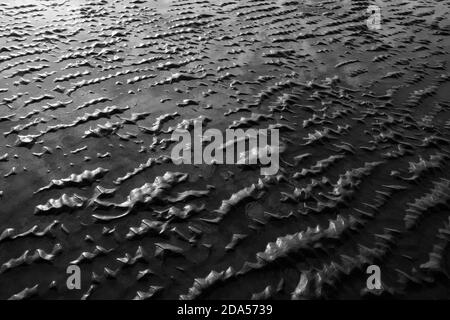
90	91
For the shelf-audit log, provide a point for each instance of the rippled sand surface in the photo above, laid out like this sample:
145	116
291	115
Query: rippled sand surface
90	92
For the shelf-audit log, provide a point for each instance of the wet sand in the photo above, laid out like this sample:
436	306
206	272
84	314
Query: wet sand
90	92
